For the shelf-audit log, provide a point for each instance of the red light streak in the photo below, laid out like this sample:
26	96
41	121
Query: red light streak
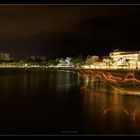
113	80
106	110
130	77
130	114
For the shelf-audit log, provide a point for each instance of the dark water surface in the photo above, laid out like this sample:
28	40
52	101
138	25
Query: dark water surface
59	102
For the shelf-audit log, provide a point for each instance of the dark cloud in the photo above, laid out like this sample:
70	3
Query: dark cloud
68	30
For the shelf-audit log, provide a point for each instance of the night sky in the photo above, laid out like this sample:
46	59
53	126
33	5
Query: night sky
68	30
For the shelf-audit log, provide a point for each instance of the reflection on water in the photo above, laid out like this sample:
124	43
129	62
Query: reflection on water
113	113
62	102
123	83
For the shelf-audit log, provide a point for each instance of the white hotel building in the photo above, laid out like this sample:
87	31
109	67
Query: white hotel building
125	59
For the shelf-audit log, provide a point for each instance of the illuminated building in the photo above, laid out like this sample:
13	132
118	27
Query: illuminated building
5	56
125	59
65	63
116	59
91	59
42	58
96	65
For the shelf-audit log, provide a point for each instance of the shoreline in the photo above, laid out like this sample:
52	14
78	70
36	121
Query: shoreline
70	69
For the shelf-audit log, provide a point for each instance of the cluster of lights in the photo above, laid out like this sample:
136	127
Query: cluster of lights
117	60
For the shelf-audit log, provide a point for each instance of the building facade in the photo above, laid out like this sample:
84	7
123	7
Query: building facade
65	63
4	56
91	59
125	59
